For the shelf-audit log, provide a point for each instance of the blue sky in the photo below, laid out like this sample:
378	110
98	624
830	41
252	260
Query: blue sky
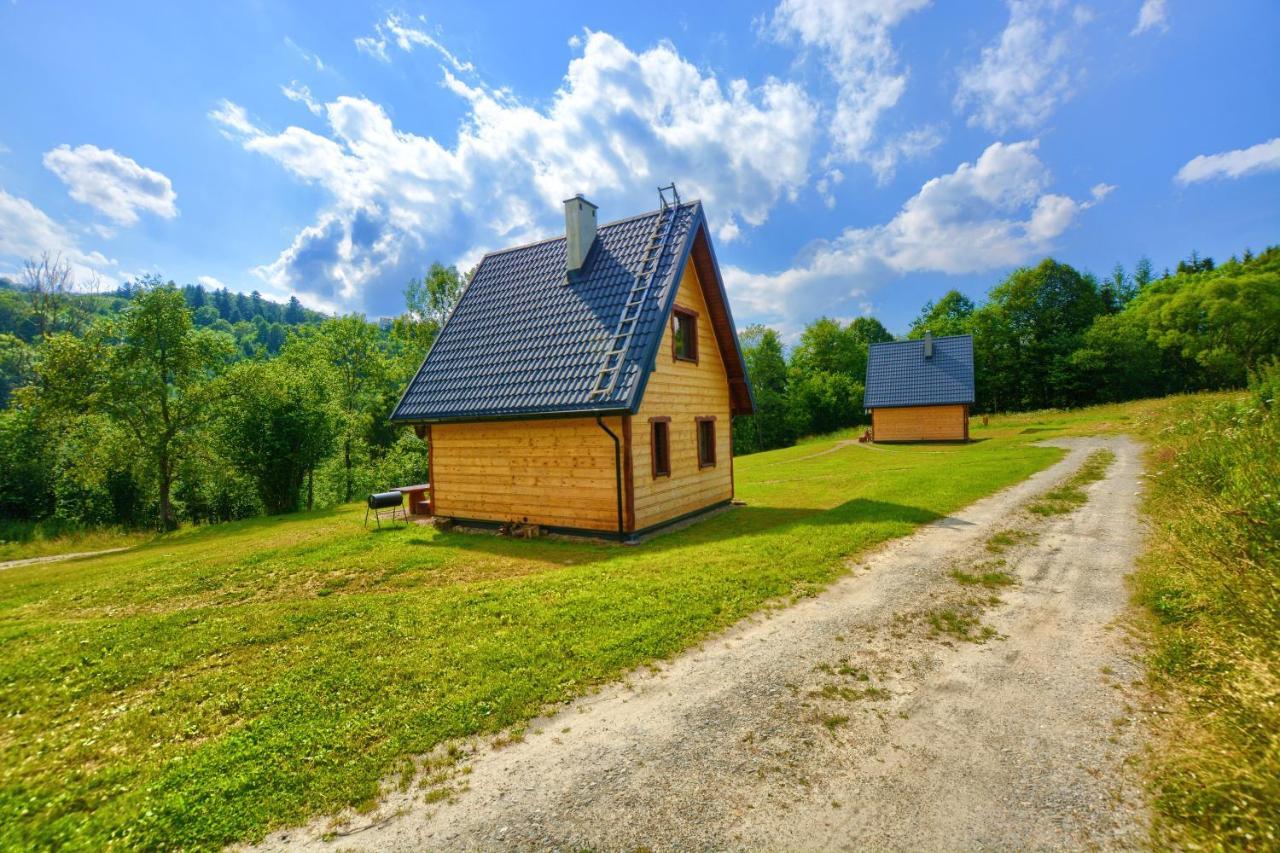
858	157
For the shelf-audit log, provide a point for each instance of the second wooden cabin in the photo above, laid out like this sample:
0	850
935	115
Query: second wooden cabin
920	390
586	383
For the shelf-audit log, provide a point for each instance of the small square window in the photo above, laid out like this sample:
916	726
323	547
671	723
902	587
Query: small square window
660	446
684	335
706	442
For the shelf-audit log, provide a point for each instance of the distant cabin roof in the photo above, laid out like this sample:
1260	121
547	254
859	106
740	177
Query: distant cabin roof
898	374
523	341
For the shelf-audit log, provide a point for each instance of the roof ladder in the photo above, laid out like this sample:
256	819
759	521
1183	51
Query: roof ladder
616	355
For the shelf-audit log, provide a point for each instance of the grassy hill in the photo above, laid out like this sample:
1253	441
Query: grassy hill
214	683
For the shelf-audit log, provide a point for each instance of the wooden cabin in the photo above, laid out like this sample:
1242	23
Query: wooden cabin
586	384
920	390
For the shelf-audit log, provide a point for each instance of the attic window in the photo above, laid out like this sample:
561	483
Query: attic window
660	446
684	334
706	442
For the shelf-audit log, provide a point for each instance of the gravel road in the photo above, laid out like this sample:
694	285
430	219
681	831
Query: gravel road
849	720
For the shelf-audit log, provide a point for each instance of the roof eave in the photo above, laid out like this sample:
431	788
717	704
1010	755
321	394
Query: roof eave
472	417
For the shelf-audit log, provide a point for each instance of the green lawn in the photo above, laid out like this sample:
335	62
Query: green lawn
214	683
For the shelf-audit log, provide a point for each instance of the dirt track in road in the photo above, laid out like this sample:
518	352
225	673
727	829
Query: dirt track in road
58	558
847	721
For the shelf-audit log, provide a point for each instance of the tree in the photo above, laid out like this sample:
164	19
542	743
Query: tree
1030	325
148	372
1117	290
430	299
770	426
294	314
1142	275
823	402
350	346
50	284
1116	361
827	347
277	422
1220	324
17	359
950	315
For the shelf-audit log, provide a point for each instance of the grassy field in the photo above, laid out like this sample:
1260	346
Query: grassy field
214	683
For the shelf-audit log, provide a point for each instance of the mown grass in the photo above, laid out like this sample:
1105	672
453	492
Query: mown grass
1211	579
215	683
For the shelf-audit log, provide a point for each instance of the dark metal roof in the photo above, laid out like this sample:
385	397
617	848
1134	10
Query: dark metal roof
525	342
898	374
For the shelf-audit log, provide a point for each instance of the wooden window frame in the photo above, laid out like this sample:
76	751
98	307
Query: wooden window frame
692	316
698	438
653	446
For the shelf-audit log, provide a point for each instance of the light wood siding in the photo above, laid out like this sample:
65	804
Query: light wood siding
683	391
919	423
557	472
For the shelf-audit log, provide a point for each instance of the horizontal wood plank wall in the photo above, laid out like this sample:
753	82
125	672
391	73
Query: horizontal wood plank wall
683	391
556	472
919	423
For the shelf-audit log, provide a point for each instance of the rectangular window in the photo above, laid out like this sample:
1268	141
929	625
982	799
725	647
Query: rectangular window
706	442
684	334
660	446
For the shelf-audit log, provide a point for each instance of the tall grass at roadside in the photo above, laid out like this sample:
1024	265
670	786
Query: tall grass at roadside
20	540
1211	577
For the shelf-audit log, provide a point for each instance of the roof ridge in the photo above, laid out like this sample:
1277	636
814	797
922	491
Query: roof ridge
625	219
936	338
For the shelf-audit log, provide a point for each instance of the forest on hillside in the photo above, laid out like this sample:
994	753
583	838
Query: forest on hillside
158	404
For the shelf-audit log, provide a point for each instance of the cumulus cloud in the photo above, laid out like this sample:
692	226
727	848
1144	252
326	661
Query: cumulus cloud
407	37
210	282
853	39
1152	16
1263	157
26	232
621	123
1021	78
111	183
989	214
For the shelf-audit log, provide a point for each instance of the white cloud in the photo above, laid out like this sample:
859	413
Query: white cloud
112	183
26	232
307	55
621	123
1152	16
210	282
858	53
990	214
233	121
1021	78
301	93
393	30
1263	157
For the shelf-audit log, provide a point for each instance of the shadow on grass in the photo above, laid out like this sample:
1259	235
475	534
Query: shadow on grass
734	524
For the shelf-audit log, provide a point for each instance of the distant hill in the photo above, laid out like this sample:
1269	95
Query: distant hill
257	323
